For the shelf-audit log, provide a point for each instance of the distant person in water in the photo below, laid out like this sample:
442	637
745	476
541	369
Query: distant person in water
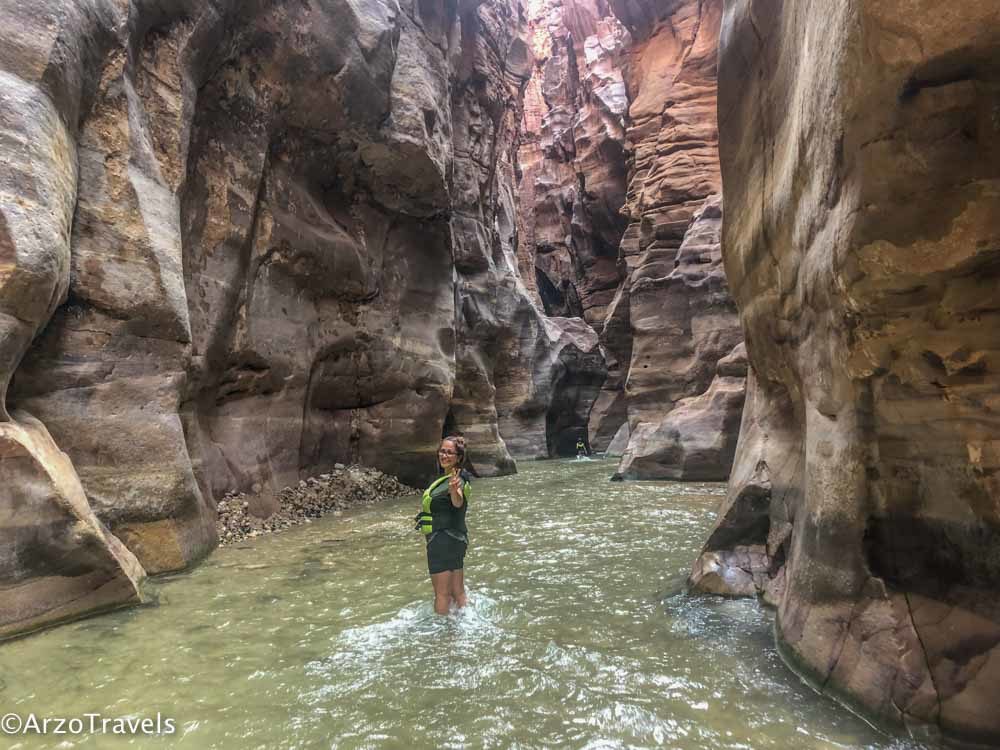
442	520
581	449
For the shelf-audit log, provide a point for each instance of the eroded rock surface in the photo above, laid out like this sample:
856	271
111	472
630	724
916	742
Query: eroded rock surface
686	383
860	149
572	157
572	169
696	441
242	241
618	159
57	560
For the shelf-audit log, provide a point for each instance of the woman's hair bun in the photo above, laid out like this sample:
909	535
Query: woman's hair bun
459	442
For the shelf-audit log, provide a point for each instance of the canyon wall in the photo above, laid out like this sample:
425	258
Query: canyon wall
860	149
241	241
573	177
620	221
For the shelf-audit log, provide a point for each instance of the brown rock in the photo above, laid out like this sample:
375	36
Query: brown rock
619	443
58	561
543	408
293	247
685	386
696	441
859	157
681	320
620	124
571	158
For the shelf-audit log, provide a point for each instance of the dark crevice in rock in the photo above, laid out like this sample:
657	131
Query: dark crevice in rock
914	85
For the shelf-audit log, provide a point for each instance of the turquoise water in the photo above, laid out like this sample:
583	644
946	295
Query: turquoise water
578	635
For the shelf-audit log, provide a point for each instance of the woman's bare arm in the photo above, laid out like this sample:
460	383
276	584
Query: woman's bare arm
455	490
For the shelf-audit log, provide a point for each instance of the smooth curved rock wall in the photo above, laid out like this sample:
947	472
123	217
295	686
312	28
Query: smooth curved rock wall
244	241
859	146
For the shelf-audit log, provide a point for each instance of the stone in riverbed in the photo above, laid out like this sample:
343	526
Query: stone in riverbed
619	442
57	560
241	515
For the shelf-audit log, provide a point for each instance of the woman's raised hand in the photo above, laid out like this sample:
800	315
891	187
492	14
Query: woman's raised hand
455	488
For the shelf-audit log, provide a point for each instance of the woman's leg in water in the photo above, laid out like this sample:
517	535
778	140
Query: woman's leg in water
442	591
458	587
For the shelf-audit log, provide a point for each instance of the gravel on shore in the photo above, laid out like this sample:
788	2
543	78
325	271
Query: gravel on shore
249	514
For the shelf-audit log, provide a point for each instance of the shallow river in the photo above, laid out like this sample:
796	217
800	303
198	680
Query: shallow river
577	635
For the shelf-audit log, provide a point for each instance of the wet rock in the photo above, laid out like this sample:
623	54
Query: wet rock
619	442
59	562
685	386
860	244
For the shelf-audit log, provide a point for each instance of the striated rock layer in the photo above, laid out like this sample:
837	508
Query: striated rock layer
620	218
572	169
58	560
860	147
683	406
686	383
242	241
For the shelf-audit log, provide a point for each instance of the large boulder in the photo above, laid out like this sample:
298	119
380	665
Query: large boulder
58	561
859	147
696	441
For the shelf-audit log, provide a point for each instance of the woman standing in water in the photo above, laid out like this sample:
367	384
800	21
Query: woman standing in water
442	520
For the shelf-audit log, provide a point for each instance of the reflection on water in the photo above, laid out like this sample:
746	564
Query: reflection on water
577	634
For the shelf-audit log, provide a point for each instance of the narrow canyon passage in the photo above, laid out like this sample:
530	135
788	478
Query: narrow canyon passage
248	244
577	635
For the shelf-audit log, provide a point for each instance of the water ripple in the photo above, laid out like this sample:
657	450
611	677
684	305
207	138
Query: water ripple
577	634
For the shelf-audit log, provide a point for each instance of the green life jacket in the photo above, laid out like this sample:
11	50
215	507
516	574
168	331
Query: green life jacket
436	511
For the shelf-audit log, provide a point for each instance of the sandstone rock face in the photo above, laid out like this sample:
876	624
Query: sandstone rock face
543	409
686	382
524	383
572	158
573	175
619	442
58	561
618	158
681	320
859	146
672	135
696	441
242	241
